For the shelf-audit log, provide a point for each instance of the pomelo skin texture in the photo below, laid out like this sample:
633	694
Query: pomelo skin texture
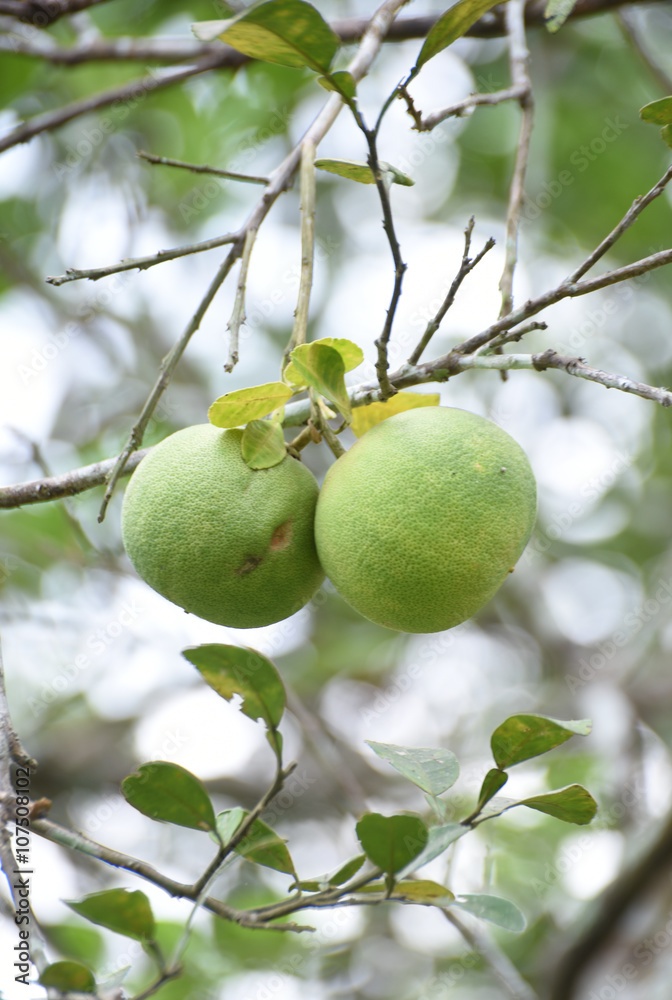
421	521
227	543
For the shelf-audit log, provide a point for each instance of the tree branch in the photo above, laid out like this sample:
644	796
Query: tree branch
141	263
134	91
467	265
518	59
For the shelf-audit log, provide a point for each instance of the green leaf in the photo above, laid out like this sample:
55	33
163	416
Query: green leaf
355	170
523	736
263	444
243	405
228	822
365	417
433	770
350	352
391	842
452	25
342	82
573	804
240	670
285	32
439	839
494	909
658	112
344	874
169	793
66	976
119	910
260	844
493	781
557	12
666	134
323	368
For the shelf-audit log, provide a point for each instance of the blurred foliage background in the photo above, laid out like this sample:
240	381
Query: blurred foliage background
582	629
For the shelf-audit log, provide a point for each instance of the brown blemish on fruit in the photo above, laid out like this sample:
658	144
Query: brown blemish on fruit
281	537
249	565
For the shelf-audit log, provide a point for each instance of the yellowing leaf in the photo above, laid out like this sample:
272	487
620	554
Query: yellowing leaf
243	405
351	354
353	170
322	367
659	112
365	417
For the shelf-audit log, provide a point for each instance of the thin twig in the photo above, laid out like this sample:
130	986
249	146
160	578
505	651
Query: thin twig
567	289
197	168
135	91
141	263
637	207
434	118
238	316
278	784
166	370
383	186
67	484
300	328
467	265
501	965
42	14
518	60
634	36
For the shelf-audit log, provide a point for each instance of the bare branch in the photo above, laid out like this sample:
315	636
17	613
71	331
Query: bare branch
134	91
633	34
499	962
565	290
140	263
42	14
518	58
238	314
637	207
197	168
68	484
430	121
466	266
300	327
166	370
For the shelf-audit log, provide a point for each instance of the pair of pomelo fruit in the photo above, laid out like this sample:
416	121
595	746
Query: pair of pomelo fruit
417	525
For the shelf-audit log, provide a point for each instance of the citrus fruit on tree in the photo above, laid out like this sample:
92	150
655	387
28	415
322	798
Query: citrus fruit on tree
226	542
420	522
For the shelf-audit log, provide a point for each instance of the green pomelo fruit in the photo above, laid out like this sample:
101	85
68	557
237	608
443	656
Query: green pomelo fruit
421	521
227	543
